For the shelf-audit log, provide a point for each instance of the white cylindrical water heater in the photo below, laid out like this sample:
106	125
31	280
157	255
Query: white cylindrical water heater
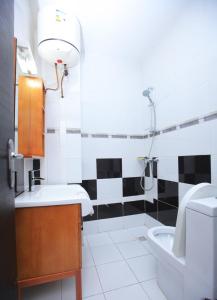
58	36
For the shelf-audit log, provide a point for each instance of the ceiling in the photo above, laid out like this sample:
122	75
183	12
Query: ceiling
128	28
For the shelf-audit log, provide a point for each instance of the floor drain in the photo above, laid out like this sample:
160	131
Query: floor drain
142	238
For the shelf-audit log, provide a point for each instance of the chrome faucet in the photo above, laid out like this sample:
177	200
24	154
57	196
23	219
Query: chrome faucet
33	178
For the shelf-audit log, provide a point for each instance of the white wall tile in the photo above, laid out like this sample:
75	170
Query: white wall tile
214	169
183	188
152	184
189	141
213	137
73	170
71	145
88	167
109	190
168	168
132	167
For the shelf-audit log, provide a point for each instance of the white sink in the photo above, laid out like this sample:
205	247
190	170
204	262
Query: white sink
48	195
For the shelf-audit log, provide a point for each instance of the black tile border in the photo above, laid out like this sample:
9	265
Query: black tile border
73	131
51	130
170	216
134	207
131	208
119	136
93	217
189	123
113	210
100	135
169	129
210	117
151	209
168	192
138	137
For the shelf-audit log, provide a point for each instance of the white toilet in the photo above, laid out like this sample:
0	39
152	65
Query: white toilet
187	254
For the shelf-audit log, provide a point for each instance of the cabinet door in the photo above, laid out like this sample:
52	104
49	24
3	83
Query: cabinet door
48	240
37	118
31	116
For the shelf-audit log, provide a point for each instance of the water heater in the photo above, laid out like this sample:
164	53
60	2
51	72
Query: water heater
58	36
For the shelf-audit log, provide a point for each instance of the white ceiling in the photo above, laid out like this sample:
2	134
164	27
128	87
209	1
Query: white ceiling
128	28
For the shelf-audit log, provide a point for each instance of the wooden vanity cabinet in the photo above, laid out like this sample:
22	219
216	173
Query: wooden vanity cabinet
49	245
31	116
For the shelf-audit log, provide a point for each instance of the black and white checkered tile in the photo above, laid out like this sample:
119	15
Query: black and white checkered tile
116	196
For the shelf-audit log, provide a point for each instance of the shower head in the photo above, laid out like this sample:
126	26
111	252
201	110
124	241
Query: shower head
146	93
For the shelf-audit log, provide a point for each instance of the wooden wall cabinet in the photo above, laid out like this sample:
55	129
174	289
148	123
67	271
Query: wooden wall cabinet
31	116
48	244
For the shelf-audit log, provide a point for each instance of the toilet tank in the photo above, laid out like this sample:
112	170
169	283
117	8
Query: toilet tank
201	249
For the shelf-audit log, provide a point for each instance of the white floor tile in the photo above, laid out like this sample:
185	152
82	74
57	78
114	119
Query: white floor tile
115	275
90	227
68	289
97	297
152	290
84	241
121	236
127	293
87	259
147	246
111	224
105	254
49	291
139	231
99	239
134	220
132	249
144	267
90	282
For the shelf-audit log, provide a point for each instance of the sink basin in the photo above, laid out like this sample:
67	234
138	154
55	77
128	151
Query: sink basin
48	195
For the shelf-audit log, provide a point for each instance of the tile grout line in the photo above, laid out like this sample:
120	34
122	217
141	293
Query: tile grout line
138	283
125	260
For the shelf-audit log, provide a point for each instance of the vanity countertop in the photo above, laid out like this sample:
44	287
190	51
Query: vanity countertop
48	195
